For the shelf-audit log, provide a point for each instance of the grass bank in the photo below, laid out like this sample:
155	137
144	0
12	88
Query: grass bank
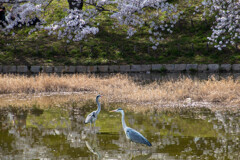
122	89
187	44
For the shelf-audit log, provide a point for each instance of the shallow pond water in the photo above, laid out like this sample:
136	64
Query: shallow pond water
59	133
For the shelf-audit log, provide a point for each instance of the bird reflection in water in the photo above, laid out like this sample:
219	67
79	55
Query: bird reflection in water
93	150
142	157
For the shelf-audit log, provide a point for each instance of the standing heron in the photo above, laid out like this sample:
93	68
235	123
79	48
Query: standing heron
92	117
132	134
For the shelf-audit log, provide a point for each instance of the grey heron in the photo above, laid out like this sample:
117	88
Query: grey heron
92	117
132	134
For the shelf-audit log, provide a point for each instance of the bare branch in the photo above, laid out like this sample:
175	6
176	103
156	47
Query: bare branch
14	1
47	5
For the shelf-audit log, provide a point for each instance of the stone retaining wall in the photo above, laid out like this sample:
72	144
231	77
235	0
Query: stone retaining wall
122	68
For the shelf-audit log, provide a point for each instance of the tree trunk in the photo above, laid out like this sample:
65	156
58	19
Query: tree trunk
75	4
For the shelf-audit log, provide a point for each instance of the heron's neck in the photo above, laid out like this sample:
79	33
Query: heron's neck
99	106
123	121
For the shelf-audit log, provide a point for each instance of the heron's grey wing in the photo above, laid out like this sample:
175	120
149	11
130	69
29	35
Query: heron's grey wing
90	117
137	137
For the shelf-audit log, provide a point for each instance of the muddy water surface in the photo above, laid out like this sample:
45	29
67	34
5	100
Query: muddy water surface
59	133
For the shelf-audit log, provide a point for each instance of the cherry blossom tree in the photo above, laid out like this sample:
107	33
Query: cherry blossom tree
158	15
226	26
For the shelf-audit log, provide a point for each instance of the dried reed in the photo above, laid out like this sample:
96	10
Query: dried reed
121	88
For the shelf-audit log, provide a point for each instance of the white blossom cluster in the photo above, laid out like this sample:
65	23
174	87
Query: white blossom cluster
75	26
226	27
161	17
22	15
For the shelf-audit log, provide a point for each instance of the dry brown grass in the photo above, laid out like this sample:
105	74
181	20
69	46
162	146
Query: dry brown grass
121	88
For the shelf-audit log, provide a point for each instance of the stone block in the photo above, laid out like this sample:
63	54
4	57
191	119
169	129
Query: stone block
22	69
59	69
191	67
236	67
156	67
91	69
202	67
103	69
124	68
47	69
70	69
213	67
169	67
226	67
146	68
180	67
135	68
35	69
236	76
9	69
113	68
81	69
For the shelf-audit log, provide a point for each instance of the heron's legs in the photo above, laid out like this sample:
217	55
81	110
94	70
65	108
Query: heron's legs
94	128
131	151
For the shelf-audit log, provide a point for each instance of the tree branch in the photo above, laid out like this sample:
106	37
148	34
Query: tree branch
47	5
100	8
15	1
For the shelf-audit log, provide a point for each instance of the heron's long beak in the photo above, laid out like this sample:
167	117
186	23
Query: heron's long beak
114	110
